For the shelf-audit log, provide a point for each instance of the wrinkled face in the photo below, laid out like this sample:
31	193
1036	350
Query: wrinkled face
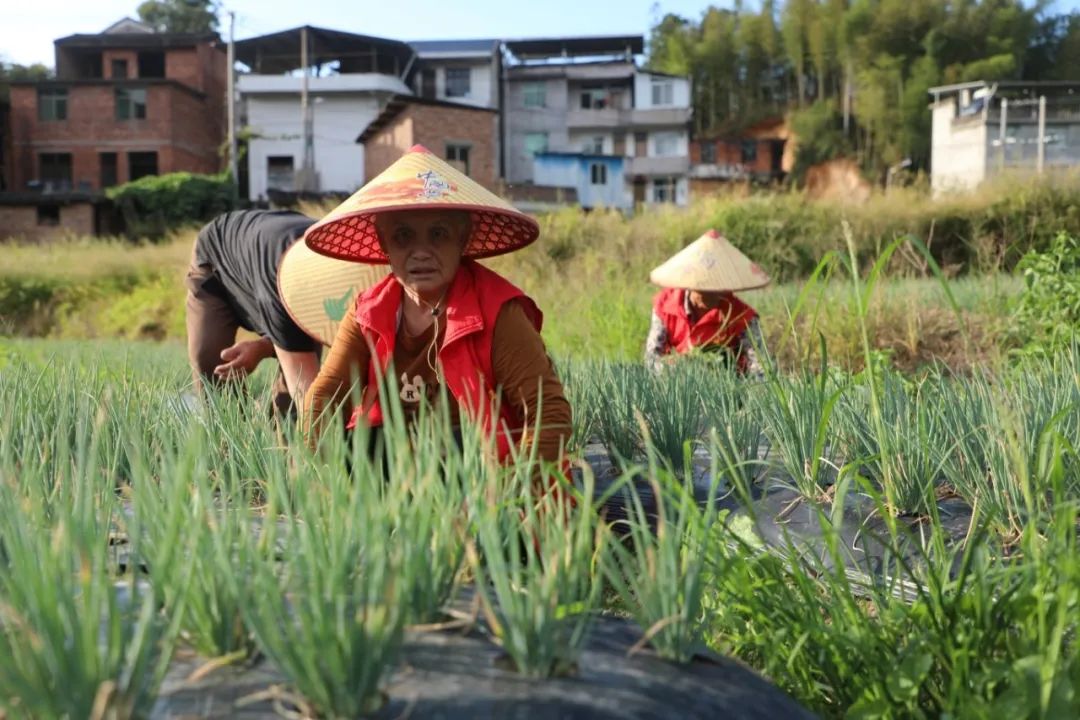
424	247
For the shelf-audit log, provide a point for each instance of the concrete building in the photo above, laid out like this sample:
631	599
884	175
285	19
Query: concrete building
348	79
984	129
464	135
587	97
125	103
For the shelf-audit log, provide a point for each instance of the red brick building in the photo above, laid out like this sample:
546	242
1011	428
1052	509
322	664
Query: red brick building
125	103
755	155
464	135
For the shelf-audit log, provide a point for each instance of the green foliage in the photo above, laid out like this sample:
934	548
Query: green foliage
180	16
887	53
1047	313
820	130
156	204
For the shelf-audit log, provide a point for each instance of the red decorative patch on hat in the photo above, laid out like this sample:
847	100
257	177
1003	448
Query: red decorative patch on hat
428	185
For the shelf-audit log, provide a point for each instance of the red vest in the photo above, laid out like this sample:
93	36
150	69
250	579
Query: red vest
472	305
722	326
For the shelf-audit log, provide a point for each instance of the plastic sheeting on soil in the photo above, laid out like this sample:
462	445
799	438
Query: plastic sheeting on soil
451	674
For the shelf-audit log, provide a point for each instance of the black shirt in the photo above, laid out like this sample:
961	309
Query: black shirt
243	248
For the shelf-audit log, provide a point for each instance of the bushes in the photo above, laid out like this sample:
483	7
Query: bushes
1047	313
155	204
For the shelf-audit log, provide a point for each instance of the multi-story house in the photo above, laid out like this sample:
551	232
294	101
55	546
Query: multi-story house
983	129
125	103
459	71
346	80
578	112
759	154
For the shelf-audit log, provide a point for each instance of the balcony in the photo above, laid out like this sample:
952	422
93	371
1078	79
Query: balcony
677	165
722	171
606	118
351	82
658	117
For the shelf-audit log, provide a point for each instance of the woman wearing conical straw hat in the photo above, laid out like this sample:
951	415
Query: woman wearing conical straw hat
439	318
698	311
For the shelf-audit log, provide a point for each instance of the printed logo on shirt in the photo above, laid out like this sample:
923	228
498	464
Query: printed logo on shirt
414	391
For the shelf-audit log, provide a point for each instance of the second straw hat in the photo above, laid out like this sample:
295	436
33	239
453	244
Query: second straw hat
419	180
710	264
319	292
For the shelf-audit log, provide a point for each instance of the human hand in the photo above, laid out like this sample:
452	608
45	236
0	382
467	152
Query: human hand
241	358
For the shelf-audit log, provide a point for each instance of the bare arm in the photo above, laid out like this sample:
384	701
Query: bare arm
299	369
750	342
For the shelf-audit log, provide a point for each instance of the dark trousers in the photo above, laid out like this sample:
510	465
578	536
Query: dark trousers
211	327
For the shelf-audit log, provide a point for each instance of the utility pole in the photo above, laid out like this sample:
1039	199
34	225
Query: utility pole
305	112
231	104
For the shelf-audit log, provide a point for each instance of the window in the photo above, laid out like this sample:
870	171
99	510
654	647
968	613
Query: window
535	94
457	154
119	69
141	164
665	144
48	214
107	161
708	152
52	103
594	146
664	190
152	64
130	103
536	143
663	92
749	152
279	172
55	170
598	171
427	83
594	99
458	82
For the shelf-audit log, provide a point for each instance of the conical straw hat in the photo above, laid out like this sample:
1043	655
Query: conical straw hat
710	264
318	292
419	180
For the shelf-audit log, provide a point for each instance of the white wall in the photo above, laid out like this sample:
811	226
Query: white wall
481	84
958	149
337	121
643	91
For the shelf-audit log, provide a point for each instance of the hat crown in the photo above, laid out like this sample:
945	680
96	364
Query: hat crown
710	264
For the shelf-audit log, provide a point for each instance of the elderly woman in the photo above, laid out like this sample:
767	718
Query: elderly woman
698	311
440	318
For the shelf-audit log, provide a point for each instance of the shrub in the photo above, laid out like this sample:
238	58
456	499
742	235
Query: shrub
1047	313
155	204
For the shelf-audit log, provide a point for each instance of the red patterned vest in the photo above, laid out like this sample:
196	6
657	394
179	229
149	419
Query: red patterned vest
472	305
719	327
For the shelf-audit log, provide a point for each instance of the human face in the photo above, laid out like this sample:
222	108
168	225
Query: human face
707	300
424	247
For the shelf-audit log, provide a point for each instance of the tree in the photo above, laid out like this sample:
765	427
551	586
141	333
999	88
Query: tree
180	16
14	72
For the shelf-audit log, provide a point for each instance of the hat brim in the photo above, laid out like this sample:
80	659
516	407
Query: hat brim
353	237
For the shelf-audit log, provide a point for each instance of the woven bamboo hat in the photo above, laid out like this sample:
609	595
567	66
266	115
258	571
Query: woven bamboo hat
318	292
710	264
419	180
